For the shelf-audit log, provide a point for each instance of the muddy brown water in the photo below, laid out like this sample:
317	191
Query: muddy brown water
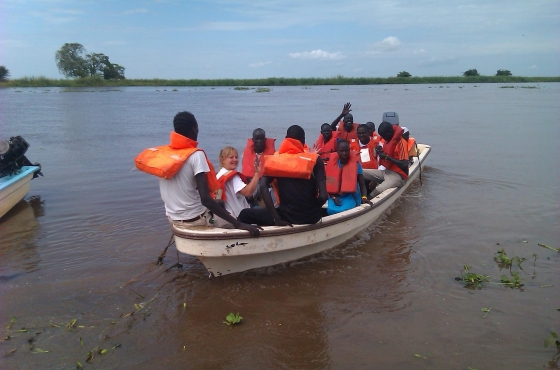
83	244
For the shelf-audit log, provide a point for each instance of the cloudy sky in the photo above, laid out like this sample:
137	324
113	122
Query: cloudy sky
286	38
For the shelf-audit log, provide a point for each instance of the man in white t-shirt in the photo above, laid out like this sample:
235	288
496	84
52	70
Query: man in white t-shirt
186	195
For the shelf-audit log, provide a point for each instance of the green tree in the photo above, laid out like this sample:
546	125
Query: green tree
404	74
503	72
113	71
4	74
470	73
70	60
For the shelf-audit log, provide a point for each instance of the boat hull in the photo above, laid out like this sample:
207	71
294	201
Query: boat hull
14	188
229	251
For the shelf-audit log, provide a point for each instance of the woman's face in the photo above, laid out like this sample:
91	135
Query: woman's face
231	161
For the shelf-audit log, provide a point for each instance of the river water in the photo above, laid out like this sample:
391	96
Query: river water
84	243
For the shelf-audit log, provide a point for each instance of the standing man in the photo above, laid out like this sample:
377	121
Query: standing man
301	185
187	179
346	128
393	157
326	143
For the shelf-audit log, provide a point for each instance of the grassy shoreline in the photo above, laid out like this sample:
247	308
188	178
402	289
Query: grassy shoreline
272	81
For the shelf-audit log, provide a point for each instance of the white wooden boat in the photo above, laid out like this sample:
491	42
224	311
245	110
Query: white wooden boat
228	251
13	188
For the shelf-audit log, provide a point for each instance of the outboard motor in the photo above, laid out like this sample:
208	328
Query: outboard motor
12	157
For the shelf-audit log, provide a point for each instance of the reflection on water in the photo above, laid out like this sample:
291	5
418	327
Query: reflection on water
18	232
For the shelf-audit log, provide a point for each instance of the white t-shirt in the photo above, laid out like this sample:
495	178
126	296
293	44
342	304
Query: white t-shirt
235	202
180	193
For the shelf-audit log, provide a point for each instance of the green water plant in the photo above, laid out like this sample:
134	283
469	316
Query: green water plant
262	89
472	279
233	319
549	247
514	282
505	261
552	340
486	311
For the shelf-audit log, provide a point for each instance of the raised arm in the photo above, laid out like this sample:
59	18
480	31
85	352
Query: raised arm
345	110
249	190
216	209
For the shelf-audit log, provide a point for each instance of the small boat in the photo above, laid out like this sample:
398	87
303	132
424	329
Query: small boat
225	251
14	187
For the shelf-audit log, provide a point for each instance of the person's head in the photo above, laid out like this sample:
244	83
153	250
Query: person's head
406	133
363	134
343	151
326	131
185	124
386	130
259	140
296	132
391	117
371	127
348	122
229	158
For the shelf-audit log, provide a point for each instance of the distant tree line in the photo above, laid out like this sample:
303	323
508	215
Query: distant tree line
474	72
73	61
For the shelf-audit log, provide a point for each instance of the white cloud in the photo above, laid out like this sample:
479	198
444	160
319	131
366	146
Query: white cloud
419	51
317	54
390	43
259	64
534	66
135	11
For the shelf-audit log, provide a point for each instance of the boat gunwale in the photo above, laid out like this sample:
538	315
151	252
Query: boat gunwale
7	181
227	234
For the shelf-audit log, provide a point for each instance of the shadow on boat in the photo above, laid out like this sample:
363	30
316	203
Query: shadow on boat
18	231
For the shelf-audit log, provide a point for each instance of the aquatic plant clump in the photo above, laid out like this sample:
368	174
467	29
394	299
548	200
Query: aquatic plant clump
472	279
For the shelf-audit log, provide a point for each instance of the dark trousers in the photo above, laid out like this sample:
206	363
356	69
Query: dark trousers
257	216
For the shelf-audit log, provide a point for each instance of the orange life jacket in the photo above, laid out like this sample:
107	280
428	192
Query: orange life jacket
342	180
249	155
165	161
371	163
395	148
412	147
222	180
290	161
351	136
325	149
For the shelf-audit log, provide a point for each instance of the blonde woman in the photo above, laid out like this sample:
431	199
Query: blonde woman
233	188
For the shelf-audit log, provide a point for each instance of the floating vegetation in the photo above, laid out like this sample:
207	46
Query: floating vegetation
486	311
508	87
529	87
233	319
335	89
472	279
175	90
505	262
549	247
553	339
241	88
513	283
262	90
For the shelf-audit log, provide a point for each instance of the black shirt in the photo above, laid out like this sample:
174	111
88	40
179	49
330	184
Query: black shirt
298	197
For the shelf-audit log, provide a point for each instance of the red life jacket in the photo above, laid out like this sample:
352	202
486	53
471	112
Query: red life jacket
165	161
351	136
395	148
325	149
290	161
249	155
222	180
342	180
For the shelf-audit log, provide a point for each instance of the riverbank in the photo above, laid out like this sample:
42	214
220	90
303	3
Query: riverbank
272	81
